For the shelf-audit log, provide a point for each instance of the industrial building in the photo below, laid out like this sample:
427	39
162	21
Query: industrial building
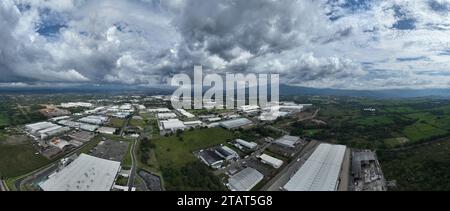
52	131
269	160
159	110
288	141
246	144
248	109
75	105
193	124
245	180
166	116
321	171
226	153
210	158
107	130
172	125
33	128
185	113
236	123
86	173
95	120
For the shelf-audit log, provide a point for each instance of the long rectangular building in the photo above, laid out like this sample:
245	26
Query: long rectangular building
321	171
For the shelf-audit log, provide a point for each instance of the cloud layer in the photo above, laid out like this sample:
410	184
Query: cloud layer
349	44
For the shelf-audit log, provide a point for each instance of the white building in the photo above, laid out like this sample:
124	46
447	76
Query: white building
245	180
193	124
96	120
166	115
246	144
159	110
236	123
86	173
288	141
33	128
75	105
321	171
107	130
172	125
269	160
185	113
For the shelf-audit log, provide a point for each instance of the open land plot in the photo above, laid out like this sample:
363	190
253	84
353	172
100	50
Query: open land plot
173	151
18	157
116	122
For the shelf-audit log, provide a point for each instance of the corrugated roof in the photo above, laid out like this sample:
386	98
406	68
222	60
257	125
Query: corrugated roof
320	172
245	180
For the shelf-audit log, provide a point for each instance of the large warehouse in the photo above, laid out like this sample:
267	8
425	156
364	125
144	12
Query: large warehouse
236	123
86	173
245	180
321	171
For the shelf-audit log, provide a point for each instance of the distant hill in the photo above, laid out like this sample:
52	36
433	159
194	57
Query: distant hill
284	90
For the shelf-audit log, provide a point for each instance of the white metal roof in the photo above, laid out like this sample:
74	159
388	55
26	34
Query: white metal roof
86	173
276	163
288	141
166	115
235	123
173	124
320	172
245	180
250	145
185	113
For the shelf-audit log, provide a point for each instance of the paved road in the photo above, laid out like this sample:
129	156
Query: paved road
2	186
133	166
284	175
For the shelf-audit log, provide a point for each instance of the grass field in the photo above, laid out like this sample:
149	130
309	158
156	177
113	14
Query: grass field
171	151
18	158
421	131
4	120
116	122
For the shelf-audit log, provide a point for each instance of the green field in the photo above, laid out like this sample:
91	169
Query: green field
421	131
374	120
418	168
116	123
4	120
18	158
171	151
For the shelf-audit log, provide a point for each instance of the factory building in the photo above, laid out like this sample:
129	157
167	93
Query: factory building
159	110
246	144
226	153
288	141
236	123
33	128
172	125
76	105
86	173
245	180
107	130
166	116
210	158
193	124
321	171
269	160
53	131
95	120
185	113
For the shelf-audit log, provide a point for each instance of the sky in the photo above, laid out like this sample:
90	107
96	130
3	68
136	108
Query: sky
342	44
